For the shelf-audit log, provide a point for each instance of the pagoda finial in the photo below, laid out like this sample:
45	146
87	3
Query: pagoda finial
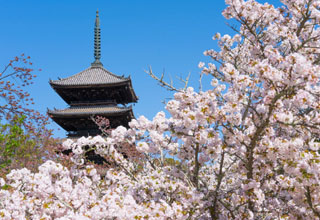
97	43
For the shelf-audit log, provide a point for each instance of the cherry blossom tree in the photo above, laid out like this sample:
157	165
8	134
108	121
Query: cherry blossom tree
248	148
15	100
24	139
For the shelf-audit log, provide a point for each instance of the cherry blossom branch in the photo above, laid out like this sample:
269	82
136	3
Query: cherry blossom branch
309	200
168	86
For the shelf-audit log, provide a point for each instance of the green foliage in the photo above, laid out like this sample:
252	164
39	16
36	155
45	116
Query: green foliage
6	187
14	142
22	147
16	145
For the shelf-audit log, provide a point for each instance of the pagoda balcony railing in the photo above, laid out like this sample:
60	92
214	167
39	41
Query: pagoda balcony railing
95	102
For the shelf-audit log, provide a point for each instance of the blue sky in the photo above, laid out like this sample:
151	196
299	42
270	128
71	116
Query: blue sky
168	35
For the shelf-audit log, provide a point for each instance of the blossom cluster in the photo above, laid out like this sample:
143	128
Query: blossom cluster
57	193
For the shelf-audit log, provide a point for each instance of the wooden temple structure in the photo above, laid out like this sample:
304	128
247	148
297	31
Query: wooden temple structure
94	91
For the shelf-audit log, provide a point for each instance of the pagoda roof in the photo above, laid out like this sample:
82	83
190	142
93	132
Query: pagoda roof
92	76
90	110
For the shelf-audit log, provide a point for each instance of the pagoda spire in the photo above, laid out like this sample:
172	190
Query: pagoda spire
97	43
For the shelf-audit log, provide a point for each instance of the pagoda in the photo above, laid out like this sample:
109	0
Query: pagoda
94	91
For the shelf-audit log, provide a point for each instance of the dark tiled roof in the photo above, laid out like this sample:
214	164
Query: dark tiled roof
91	76
90	110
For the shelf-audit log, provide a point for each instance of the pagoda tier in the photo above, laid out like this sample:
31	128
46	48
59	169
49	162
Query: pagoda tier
78	122
95	84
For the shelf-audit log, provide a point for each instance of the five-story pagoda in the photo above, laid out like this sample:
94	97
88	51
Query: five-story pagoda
93	92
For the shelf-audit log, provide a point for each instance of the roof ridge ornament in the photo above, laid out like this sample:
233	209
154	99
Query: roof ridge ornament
97	43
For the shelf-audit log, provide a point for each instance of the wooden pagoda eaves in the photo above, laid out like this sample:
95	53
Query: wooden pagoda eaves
77	120
91	110
92	76
106	84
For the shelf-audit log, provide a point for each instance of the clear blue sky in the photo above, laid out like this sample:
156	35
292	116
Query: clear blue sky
168	35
